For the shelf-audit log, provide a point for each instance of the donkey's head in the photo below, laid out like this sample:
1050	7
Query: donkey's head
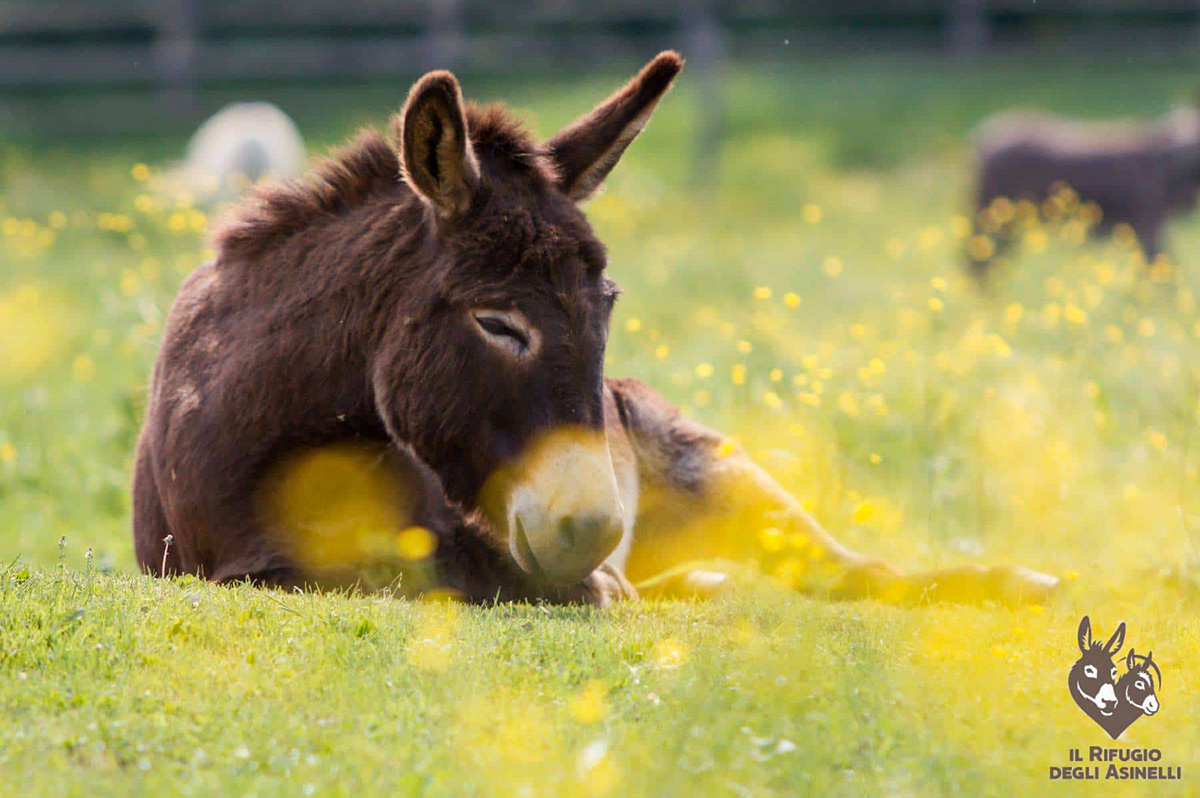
1136	688
503	338
1093	678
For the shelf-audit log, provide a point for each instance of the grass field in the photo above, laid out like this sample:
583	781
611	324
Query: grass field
803	293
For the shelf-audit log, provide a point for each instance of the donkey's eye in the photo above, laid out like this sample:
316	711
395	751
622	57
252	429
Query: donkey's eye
506	330
496	327
1089	671
1114	673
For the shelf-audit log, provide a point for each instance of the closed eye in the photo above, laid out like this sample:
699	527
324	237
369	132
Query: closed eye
497	327
508	331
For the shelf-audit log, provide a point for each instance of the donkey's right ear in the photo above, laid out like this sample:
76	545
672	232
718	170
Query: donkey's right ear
1131	660
1085	634
1116	641
585	151
435	148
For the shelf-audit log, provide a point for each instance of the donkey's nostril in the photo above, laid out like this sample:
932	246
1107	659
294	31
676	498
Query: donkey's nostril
566	532
587	532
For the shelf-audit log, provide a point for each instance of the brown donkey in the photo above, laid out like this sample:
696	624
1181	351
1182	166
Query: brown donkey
434	313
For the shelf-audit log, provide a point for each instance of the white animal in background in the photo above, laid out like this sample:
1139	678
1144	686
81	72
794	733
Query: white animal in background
235	148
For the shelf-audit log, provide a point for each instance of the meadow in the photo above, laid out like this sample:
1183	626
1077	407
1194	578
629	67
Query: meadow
801	290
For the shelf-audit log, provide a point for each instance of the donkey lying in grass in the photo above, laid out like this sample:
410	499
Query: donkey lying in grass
441	305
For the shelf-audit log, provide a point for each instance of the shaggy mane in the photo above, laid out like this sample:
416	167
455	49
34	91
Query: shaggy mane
352	174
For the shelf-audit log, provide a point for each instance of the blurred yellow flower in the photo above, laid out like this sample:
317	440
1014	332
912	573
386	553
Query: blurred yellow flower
762	292
8	453
590	705
1075	314
863	513
415	543
83	369
791	299
633	325
704	370
772	540
980	247
670	653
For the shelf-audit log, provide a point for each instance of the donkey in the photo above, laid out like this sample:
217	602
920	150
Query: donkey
1137	174
442	301
237	146
1135	690
1093	678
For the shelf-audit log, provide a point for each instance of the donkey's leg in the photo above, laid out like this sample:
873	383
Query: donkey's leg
702	498
150	526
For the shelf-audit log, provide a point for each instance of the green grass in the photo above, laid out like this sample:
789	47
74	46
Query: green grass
1054	425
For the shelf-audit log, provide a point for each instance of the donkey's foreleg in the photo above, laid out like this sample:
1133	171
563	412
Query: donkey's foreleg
702	499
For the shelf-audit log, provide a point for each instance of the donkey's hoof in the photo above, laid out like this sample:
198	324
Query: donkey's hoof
1020	585
604	586
691	583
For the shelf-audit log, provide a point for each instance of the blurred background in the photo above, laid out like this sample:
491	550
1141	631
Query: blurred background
789	232
82	69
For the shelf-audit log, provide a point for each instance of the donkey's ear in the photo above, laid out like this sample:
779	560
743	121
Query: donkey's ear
435	149
1116	641
1085	634
1130	660
586	150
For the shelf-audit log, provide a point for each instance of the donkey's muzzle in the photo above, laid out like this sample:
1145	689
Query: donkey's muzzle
562	507
565	549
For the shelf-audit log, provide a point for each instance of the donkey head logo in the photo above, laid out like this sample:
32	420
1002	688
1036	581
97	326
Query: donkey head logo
1114	703
1093	680
1135	691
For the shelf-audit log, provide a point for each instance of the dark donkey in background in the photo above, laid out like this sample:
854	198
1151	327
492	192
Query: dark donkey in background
442	305
1138	174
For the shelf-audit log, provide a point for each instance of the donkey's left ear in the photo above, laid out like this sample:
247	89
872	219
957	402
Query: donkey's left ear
1130	660
435	149
586	150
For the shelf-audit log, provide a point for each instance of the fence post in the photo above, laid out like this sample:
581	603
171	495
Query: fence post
175	53
444	36
967	22
704	48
